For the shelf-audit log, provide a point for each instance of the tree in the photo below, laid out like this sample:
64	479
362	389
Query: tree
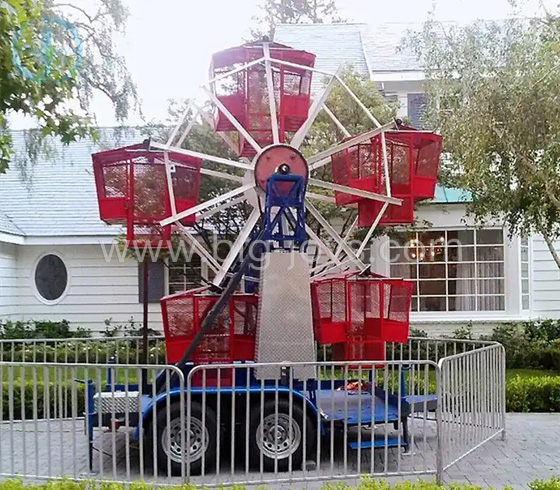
492	91
53	54
293	12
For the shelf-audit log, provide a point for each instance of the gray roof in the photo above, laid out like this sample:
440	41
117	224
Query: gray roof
333	44
368	48
58	198
7	226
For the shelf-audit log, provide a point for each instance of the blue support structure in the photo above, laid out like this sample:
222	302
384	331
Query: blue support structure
284	214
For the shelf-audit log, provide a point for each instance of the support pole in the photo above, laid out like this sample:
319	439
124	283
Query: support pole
145	303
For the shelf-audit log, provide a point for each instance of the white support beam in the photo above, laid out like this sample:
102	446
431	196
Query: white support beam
336	121
180	123
225	138
385	165
271	96
321	197
322	245
301	133
372	228
237	246
202	156
355	192
236	124
359	102
220	208
170	189
234	71
188	129
303	67
221	175
186	235
347	235
334	235
330	267
347	144
207	204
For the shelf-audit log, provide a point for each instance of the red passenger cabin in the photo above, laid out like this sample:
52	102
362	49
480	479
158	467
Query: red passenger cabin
245	93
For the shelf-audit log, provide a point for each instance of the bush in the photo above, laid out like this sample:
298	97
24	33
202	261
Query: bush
59	402
533	394
366	483
40	330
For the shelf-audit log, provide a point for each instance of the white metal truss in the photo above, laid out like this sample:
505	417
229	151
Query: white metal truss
340	256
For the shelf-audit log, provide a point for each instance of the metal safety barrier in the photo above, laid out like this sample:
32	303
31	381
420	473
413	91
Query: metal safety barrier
427	405
88	350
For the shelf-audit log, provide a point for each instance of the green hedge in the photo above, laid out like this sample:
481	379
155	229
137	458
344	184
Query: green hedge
366	483
523	394
60	401
533	394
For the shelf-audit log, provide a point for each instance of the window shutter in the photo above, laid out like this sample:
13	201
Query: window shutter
156	281
416	103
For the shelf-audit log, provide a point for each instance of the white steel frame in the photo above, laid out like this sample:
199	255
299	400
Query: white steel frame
343	256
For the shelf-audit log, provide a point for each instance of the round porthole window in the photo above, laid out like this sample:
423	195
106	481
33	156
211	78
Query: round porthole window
51	278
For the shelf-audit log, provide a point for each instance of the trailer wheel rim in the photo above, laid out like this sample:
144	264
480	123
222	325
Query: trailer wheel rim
171	440
278	436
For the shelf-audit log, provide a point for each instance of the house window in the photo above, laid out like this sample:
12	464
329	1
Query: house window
416	103
156	281
186	275
459	270
50	278
525	274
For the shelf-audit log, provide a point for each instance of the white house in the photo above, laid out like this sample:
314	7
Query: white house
54	250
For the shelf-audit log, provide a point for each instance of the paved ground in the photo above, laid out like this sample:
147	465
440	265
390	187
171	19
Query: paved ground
531	450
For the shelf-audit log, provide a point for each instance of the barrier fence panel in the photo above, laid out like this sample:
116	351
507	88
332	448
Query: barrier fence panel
82	421
472	400
118	350
356	419
424	407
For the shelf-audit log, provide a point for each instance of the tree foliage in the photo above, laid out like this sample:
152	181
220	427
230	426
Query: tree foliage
276	12
52	80
493	92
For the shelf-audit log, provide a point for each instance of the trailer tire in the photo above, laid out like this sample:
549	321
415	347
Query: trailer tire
275	440
171	432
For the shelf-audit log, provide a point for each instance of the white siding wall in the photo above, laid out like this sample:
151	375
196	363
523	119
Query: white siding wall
98	290
8	280
545	281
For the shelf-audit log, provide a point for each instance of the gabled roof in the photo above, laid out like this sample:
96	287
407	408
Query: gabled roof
333	44
7	226
58	198
368	48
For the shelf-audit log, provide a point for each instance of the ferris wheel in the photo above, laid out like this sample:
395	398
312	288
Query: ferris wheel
261	96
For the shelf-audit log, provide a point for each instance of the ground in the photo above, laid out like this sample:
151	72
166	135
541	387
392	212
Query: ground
530	451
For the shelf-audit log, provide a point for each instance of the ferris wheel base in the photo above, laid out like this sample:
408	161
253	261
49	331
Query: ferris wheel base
285	329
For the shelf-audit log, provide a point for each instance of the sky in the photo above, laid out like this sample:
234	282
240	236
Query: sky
168	43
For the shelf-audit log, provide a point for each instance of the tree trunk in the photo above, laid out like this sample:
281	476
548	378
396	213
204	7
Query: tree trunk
553	252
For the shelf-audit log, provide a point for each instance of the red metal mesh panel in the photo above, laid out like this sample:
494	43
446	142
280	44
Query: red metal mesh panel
150	197
329	310
359	166
368	211
398	295
428	153
178	315
216	343
244	313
